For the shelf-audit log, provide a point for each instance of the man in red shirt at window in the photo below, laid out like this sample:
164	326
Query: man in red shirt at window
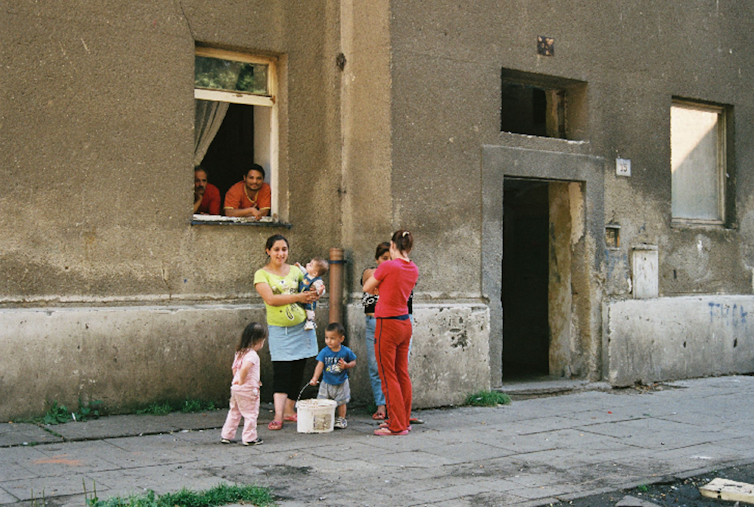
251	197
206	195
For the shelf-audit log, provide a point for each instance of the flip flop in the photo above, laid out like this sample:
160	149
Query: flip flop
292	418
387	425
384	432
379	416
275	425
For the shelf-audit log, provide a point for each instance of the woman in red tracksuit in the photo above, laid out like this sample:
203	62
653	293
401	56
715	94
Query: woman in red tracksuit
395	278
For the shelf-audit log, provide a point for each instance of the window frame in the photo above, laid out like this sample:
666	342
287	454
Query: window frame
573	101
722	169
269	159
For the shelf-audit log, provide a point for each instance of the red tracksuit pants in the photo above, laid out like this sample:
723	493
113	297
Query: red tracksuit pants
392	338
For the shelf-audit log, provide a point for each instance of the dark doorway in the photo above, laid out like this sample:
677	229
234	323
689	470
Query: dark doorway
526	332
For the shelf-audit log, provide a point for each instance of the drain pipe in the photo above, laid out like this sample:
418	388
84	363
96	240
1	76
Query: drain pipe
336	284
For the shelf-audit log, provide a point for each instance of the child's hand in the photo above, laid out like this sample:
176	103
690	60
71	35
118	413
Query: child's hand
342	364
313	382
319	286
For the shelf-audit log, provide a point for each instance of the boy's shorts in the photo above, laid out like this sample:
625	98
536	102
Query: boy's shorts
340	393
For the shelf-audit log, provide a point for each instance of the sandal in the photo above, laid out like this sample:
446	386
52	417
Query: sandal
384	432
387	425
379	416
291	418
275	425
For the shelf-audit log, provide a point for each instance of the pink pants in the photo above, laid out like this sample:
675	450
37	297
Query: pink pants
244	402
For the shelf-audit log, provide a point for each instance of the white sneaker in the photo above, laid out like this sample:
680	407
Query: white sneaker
309	325
341	423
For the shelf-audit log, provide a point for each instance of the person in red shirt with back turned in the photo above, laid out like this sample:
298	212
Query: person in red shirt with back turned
251	197
396	279
206	196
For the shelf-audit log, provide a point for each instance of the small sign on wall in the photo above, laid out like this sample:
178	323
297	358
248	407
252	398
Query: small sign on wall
644	261
622	167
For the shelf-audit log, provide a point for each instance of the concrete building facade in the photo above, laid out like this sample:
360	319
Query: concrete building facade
577	175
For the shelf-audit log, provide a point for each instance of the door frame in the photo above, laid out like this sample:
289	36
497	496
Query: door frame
499	162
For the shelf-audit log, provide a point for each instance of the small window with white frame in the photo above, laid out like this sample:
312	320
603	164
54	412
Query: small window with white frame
698	163
235	135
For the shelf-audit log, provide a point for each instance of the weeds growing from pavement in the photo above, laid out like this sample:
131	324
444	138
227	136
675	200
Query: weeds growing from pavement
156	409
59	414
487	399
189	406
222	494
35	501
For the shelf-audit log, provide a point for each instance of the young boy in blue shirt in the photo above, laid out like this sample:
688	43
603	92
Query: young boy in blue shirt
333	361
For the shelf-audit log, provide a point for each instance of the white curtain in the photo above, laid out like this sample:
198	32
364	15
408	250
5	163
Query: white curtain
209	117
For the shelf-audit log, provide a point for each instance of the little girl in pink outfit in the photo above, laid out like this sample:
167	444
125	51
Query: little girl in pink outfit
244	390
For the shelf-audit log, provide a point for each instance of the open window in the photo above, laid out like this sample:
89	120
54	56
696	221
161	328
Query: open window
236	121
698	163
543	106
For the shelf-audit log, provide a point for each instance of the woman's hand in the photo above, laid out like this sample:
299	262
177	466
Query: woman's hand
308	296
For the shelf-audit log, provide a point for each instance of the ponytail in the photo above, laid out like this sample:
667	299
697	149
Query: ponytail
403	240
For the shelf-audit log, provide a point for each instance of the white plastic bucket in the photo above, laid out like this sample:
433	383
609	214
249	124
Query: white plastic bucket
316	416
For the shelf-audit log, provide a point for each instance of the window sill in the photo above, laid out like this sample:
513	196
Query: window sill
687	223
223	220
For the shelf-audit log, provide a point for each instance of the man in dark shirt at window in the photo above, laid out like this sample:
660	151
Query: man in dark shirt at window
251	197
206	195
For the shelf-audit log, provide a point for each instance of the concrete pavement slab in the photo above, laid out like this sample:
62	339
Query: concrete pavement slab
75	457
12	462
557	447
6	497
48	487
23	434
18	462
160	479
117	426
546	491
655	433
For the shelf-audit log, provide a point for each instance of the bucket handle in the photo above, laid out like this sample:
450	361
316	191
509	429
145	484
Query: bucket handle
302	392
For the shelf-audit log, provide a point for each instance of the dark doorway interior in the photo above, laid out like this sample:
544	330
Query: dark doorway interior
232	150
526	332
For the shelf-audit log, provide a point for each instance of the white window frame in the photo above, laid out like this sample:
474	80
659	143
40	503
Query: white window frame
721	162
266	147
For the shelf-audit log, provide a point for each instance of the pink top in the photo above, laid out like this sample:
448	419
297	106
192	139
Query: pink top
397	279
243	357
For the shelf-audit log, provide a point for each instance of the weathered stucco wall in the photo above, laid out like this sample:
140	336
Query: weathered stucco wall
97	113
672	338
97	122
449	353
633	59
125	357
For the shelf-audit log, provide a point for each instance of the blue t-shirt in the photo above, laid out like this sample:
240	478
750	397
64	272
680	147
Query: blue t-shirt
330	360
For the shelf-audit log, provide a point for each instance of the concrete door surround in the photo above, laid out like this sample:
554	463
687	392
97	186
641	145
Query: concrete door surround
499	162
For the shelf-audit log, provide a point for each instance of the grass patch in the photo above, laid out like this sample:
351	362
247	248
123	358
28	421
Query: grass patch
223	494
59	414
487	399
156	409
189	406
